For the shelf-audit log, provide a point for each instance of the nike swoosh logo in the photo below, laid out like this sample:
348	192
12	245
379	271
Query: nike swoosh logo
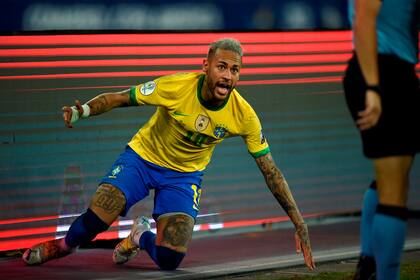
176	113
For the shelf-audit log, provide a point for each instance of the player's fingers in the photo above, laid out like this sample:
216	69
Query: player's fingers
68	123
67	112
79	107
66	109
310	263
297	243
307	254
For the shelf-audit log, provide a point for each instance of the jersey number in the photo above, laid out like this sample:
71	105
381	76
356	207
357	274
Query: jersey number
196	138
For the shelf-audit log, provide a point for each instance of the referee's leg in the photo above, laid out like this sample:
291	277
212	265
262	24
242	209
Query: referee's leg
389	222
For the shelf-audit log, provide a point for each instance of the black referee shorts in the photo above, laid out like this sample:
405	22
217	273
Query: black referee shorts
398	129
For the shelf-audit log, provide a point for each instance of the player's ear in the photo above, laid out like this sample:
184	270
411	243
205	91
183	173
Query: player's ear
205	65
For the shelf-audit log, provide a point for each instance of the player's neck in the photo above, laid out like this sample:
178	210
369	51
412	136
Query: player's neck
208	97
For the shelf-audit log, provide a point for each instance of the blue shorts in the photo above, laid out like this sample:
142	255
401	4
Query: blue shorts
174	191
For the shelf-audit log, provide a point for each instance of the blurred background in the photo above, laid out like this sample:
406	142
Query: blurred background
18	15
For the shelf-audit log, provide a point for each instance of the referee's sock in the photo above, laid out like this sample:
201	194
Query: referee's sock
165	258
370	202
388	233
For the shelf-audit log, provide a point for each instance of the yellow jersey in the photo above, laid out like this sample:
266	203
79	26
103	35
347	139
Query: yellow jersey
184	130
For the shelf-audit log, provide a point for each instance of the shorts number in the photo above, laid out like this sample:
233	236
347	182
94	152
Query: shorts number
197	196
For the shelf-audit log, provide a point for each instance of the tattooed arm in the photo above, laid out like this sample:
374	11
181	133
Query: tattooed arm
98	105
281	191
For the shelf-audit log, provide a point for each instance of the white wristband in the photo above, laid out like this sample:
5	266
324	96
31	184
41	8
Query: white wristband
75	114
86	111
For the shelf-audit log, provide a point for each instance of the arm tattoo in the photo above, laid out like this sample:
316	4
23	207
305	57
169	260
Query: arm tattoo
99	105
128	103
107	101
302	231
109	198
279	187
178	230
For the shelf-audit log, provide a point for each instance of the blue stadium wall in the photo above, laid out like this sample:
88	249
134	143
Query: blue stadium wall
27	15
292	79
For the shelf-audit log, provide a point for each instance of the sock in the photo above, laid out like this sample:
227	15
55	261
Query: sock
165	258
147	242
370	201
84	229
388	236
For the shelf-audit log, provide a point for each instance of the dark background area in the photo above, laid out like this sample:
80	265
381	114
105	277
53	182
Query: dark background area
29	15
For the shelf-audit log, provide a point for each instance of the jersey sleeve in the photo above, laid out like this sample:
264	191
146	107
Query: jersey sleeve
253	136
157	92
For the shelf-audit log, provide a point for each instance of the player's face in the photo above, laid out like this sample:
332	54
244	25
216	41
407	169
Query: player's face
222	71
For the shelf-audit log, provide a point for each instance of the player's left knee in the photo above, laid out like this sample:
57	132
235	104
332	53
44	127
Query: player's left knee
168	259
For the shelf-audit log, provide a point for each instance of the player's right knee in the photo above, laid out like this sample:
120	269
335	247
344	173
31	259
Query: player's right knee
168	259
84	229
108	202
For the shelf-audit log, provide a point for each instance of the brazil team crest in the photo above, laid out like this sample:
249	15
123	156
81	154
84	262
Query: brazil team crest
115	171
148	88
201	123
220	131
